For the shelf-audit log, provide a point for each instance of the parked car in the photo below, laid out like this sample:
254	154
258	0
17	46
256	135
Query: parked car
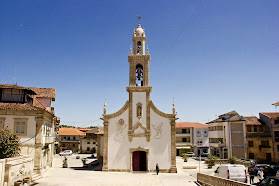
190	154
66	153
257	167
252	161
269	181
232	171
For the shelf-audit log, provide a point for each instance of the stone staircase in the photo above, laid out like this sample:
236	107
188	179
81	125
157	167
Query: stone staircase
36	177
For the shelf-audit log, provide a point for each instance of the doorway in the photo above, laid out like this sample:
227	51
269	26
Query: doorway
139	161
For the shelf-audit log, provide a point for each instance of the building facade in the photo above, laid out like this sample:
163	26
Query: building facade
139	135
272	121
28	112
184	137
200	134
88	143
69	139
227	136
259	140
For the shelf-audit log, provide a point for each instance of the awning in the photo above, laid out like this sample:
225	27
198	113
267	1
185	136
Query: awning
183	147
203	147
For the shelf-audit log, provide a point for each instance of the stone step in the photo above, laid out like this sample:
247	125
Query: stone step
36	177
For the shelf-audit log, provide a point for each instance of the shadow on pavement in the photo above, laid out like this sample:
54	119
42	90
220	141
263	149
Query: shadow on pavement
96	165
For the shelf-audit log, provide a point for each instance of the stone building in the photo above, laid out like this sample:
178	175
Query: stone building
139	135
28	112
89	141
227	137
271	119
259	141
69	139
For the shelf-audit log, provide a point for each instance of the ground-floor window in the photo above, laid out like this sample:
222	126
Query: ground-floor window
251	156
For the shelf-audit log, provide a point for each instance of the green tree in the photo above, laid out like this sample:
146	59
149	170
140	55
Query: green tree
9	143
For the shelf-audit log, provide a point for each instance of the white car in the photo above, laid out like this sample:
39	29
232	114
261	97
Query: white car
66	153
232	171
190	154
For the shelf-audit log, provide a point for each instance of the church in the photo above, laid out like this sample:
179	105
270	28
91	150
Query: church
138	136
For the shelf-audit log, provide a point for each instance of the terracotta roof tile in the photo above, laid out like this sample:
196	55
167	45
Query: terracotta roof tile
10	86
18	106
44	92
252	120
190	125
70	132
100	133
271	114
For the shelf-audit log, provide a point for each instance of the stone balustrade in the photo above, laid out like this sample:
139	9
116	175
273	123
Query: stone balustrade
205	179
17	169
2	171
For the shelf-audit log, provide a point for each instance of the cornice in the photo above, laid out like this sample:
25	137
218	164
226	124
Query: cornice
139	89
118	113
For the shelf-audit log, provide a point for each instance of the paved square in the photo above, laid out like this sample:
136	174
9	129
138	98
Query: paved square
57	175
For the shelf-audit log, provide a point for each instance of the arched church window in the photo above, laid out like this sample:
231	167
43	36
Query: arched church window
139	75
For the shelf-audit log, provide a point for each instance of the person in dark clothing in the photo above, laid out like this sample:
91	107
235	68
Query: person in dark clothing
157	168
252	174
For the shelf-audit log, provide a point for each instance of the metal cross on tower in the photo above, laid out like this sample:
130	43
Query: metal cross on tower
138	15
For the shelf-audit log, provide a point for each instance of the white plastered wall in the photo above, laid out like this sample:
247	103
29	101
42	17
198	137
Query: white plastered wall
119	145
139	97
28	140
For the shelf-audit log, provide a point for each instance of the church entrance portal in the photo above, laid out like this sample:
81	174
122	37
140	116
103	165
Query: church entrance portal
139	161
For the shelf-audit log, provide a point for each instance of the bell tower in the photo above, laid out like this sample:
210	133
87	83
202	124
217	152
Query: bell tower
139	59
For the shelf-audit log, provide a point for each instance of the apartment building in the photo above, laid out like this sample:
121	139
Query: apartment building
191	137
227	136
259	140
271	119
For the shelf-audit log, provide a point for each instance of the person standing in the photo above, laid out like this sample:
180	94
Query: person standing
261	174
157	168
252	175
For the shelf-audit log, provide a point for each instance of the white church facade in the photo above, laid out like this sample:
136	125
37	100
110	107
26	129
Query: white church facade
139	136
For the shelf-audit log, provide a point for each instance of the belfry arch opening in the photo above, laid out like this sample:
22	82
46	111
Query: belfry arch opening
139	48
139	75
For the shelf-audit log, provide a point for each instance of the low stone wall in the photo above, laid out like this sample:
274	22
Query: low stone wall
205	179
18	168
2	171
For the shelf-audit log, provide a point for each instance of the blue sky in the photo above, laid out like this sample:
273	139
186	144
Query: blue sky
212	56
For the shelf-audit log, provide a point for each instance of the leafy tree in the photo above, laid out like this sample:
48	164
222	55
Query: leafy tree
9	143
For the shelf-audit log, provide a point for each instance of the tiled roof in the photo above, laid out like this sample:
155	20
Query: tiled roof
18	106
100	133
44	92
271	114
84	129
276	104
70	132
37	103
230	116
252	120
190	125
40	92
10	86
